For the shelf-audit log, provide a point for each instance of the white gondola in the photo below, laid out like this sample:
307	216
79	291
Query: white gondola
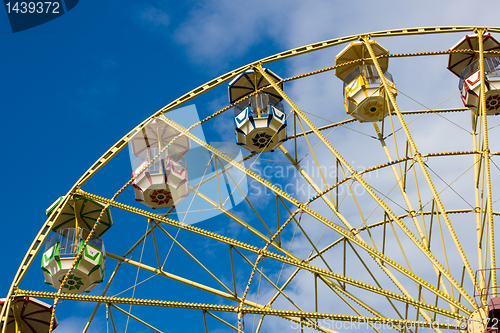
466	65
260	121
72	227
364	94
162	180
60	252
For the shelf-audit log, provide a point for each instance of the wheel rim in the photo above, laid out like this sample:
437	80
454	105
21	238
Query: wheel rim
356	239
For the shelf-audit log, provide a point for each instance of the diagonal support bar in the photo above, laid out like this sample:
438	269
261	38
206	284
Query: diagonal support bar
370	191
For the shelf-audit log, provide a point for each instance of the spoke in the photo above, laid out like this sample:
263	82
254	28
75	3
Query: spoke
336	288
449	186
205	320
268	280
137	274
373	297
352	120
156	247
237	219
311	150
372	276
111	316
288	314
420	161
192	257
246	199
134	317
336	291
299	264
399	180
219	319
206	180
369	190
293	260
444	253
232	270
333	207
486	162
112	277
188	282
319	253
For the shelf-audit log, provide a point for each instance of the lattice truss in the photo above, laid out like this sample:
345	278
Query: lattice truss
391	240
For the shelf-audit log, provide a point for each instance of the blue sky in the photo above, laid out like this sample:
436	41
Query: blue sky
74	86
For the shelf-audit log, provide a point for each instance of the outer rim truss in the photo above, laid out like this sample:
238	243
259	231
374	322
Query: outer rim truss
352	235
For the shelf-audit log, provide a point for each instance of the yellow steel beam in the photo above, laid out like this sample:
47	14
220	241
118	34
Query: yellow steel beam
108	155
182	280
311	150
281	292
247	200
316	188
352	120
387	33
188	282
284	195
19	328
156	247
232	270
205	320
134	317
28	259
235	218
192	257
418	157
478	200
371	274
289	260
221	320
486	162
176	278
261	257
290	278
225	169
287	314
111	317
370	191
174	223
337	288
413	214
112	277
453	211
400	160
305	266
331	285
444	253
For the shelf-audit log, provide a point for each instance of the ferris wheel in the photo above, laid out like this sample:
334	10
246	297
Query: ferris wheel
376	212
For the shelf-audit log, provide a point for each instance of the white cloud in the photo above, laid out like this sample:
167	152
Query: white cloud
155	16
216	33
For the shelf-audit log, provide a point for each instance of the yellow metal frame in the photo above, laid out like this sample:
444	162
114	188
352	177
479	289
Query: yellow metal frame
443	292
